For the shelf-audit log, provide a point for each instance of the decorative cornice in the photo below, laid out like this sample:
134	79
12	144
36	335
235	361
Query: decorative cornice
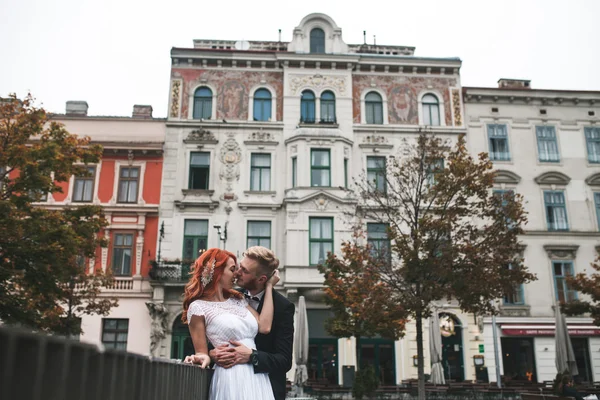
552	178
504	176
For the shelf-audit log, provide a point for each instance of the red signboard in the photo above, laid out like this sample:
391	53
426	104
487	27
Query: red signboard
549	331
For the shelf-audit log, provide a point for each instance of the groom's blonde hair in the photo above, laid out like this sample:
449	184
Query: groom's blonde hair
267	262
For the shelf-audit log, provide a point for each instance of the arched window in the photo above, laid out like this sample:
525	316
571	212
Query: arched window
262	105
202	103
317	41
431	110
374	108
307	107
328	107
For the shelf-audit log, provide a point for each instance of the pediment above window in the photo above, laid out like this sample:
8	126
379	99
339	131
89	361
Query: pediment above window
201	136
553	178
561	251
593	180
504	176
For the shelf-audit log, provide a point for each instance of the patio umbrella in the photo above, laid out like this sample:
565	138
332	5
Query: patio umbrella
435	350
565	356
301	346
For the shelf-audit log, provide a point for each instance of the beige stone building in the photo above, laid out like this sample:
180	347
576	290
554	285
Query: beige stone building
545	145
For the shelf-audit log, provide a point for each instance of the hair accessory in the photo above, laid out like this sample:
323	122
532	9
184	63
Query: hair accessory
208	272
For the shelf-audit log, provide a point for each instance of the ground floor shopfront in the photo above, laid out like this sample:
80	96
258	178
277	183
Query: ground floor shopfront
527	348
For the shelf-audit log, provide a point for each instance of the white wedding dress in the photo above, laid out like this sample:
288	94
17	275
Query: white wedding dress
225	321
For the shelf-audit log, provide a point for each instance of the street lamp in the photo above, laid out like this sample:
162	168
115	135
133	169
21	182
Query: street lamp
222	233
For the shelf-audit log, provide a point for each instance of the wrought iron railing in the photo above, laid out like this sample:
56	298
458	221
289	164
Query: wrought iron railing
170	271
36	366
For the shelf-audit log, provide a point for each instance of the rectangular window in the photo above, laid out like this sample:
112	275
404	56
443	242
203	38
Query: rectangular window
556	211
114	333
128	184
260	172
547	144
504	195
320	171
377	237
199	170
433	170
498	142
122	254
259	234
294	172
195	238
562	270
597	203
514	297
83	187
592	138
320	239
346	173
376	173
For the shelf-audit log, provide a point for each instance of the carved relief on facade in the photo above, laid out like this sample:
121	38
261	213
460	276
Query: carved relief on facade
158	331
175	98
402	94
232	90
375	139
317	81
321	202
201	135
456	107
261	136
230	156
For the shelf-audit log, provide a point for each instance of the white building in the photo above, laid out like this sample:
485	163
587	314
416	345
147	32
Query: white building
546	146
263	138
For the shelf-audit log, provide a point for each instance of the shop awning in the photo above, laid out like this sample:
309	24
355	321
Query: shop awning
548	330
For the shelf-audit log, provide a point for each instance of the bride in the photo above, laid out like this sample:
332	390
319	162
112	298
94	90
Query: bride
213	309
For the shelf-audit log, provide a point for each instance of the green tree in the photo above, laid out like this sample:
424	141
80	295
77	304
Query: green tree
589	285
357	296
42	283
451	237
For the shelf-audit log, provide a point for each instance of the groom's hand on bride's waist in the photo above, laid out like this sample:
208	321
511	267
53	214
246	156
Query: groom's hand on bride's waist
226	357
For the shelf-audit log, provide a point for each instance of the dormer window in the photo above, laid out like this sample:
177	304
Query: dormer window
317	41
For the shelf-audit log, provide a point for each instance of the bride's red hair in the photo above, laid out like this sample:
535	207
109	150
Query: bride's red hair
194	289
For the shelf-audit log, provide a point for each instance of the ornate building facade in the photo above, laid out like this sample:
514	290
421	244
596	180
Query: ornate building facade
545	145
262	142
126	183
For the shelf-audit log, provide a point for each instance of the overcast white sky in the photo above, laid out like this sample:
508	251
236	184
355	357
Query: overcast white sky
115	53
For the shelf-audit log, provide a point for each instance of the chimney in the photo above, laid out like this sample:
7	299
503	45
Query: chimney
522	84
77	108
140	111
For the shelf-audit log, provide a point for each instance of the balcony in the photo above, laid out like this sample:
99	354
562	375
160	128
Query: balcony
176	271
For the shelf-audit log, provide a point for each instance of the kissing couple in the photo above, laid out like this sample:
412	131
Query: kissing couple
251	329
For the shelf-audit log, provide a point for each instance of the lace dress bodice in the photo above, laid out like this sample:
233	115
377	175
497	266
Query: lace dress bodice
226	320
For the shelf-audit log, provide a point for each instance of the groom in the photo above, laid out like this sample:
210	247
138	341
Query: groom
274	350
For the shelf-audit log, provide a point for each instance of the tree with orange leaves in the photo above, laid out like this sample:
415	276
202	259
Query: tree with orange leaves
357	295
450	236
43	283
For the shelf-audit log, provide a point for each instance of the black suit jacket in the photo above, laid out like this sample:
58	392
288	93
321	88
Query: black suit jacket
274	350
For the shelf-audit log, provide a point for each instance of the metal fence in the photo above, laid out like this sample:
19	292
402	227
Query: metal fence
36	367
